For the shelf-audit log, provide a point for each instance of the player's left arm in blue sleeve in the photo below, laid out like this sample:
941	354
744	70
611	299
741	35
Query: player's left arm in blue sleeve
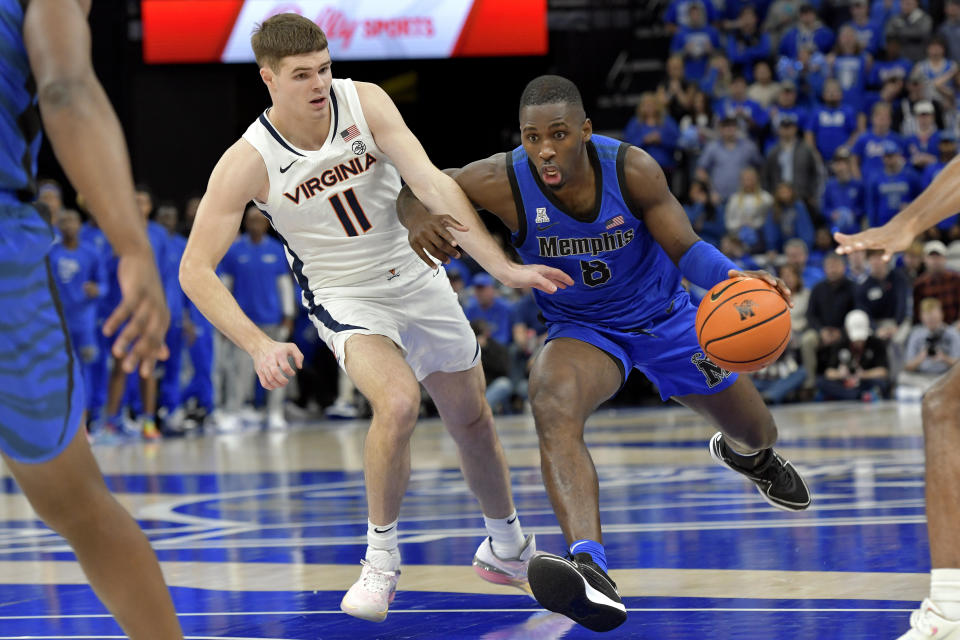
698	261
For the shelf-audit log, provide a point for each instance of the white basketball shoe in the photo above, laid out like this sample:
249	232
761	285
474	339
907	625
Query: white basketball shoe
507	571
369	598
928	623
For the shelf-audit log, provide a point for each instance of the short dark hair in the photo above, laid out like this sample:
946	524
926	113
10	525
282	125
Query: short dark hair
285	34
550	90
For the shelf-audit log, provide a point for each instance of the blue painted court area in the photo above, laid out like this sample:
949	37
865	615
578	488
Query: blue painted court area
268	553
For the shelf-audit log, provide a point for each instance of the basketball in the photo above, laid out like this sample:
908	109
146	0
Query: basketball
743	324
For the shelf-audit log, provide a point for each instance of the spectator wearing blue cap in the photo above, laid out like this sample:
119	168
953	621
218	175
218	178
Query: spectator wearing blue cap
893	188
844	199
833	124
809	30
795	162
868	150
487	305
946	150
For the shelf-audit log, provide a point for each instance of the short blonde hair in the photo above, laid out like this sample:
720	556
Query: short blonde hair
929	304
285	34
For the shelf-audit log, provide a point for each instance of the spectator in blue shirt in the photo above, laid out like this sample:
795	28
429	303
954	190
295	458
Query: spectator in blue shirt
923	147
808	73
833	124
750	116
789	218
706	218
797	253
695	42
891	65
81	281
487	305
893	188
654	131
869	32
809	30
677	14
844	204
167	216
786	105
868	150
256	266
947	149
882	10
746	45
850	67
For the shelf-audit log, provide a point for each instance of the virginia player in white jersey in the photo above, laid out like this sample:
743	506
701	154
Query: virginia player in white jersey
324	164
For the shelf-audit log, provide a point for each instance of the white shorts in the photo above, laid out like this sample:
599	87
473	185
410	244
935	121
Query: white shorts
413	306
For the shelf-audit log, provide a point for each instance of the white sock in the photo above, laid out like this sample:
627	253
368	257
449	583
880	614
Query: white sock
945	591
506	535
382	550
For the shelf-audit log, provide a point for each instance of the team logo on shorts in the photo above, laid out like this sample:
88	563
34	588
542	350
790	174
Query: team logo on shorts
746	308
359	148
714	374
393	274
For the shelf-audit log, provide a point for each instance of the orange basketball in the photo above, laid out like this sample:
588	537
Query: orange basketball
743	324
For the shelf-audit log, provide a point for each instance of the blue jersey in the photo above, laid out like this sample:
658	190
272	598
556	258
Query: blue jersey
19	116
844	205
622	277
869	35
498	316
72	268
888	194
869	148
851	73
255	268
832	127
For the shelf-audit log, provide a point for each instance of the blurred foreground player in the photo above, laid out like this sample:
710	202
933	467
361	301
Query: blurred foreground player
46	62
939	615
600	210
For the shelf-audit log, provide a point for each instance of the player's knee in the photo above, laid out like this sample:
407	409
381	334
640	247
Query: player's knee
477	424
551	413
400	409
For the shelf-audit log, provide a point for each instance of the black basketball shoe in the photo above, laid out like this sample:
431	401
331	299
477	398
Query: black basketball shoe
777	480
578	588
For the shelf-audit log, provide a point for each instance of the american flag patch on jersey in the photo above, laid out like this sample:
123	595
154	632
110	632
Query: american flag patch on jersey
614	222
350	133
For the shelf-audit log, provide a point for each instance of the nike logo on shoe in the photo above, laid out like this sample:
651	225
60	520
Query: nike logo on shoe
375	530
286	168
512	520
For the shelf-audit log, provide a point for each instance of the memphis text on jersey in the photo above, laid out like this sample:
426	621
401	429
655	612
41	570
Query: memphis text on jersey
555	246
343	171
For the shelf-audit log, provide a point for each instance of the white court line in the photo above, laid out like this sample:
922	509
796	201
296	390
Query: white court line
512	610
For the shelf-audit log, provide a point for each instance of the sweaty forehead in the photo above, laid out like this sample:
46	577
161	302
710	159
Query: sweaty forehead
544	116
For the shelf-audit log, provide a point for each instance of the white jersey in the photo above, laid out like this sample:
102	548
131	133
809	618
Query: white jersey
334	208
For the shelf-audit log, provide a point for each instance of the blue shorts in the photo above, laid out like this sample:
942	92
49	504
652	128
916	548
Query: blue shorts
41	389
666	351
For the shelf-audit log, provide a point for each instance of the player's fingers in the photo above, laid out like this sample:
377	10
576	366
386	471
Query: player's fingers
442	248
543	284
423	256
447	237
297	357
285	367
119	315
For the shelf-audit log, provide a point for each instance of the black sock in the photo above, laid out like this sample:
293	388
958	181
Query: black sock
747	461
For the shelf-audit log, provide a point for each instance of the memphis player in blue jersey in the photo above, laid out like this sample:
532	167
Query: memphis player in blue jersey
47	75
600	210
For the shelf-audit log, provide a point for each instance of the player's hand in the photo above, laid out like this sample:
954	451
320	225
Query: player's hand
537	276
275	362
888	237
144	309
769	278
429	233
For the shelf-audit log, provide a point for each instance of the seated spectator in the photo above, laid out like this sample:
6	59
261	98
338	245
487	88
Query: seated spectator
487	305
764	90
809	30
844	199
795	162
718	78
932	348
746	46
785	106
654	131
748	209
674	90
938	72
495	361
869	32
734	248
893	189
868	150
946	150
788	218
797	255
677	14
950	29
937	282
830	302
884	295
850	67
857	268
779	379
923	146
833	124
695	41
706	218
800	295
751	117
723	159
856	366
913	27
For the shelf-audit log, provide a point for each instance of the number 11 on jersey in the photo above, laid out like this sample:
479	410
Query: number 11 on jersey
344	218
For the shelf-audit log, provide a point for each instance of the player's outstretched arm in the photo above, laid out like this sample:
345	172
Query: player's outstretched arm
239	177
440	194
88	142
938	201
699	262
